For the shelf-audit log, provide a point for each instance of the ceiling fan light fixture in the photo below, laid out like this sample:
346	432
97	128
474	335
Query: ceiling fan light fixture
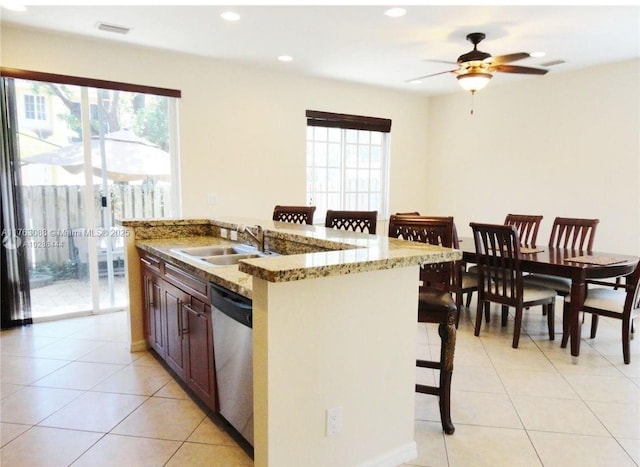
474	81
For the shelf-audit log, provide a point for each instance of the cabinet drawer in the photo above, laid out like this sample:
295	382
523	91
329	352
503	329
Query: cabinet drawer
151	262
187	282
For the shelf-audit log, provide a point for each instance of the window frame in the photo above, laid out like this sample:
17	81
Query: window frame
35	108
346	123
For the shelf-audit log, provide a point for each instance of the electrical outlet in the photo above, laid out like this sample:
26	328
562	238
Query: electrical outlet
334	420
212	198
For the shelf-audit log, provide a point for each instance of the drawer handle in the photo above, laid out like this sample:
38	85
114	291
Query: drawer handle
199	314
149	262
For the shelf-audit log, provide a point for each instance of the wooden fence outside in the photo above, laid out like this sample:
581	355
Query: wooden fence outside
54	214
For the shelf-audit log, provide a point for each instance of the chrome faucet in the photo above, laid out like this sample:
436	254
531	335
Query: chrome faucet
258	236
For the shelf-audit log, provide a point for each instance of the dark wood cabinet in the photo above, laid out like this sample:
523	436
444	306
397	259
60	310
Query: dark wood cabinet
173	299
154	316
178	325
200	364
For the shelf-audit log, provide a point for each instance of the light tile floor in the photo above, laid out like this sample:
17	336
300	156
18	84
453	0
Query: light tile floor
532	406
72	394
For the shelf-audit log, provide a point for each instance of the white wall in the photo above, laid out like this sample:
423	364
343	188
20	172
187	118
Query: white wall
242	129
565	144
352	346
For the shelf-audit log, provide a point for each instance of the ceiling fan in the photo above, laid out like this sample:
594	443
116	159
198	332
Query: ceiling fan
475	68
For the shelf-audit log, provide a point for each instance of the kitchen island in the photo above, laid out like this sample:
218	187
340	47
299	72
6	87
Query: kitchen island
334	327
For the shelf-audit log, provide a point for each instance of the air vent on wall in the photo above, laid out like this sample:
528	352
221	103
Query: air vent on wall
113	28
552	63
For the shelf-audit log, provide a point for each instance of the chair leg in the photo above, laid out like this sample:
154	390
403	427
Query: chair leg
516	328
565	325
626	337
551	320
447	332
476	332
487	312
459	307
469	295
505	315
594	325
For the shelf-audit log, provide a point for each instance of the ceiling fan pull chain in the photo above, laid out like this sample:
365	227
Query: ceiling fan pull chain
473	93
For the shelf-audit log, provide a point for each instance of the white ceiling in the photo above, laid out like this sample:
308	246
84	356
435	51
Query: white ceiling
360	43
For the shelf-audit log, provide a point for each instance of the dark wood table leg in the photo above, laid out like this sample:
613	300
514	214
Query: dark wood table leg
578	290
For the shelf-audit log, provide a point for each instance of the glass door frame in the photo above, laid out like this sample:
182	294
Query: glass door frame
89	215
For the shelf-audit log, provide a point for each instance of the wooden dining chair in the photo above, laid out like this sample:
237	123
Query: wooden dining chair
527	227
435	304
295	214
357	221
618	301
566	233
498	260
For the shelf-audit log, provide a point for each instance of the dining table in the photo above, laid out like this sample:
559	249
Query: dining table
576	265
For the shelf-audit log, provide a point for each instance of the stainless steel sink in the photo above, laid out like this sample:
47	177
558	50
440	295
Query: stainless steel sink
226	260
211	250
217	255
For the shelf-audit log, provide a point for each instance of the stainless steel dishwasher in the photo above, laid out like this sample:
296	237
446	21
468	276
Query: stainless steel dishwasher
233	353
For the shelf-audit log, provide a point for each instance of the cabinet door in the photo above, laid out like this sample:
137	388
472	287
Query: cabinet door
154	326
174	298
200	372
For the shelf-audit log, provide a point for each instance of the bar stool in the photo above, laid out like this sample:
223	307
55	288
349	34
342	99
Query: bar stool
435	304
357	221
295	214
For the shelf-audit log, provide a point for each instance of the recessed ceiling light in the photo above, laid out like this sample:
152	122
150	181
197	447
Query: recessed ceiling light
285	58
537	54
230	16
415	81
113	28
395	12
13	5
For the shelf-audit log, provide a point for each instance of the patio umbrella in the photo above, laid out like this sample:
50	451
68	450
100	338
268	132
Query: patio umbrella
128	157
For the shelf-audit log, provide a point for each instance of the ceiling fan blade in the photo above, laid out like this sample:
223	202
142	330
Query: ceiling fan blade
500	59
448	62
429	76
525	70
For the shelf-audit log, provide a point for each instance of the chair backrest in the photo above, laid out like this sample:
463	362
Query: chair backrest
396	220
434	231
295	214
358	221
498	260
527	227
576	234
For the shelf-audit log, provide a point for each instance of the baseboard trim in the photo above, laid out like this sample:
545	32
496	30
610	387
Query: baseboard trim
394	458
138	346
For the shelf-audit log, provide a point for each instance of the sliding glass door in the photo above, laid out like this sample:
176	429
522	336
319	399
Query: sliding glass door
87	157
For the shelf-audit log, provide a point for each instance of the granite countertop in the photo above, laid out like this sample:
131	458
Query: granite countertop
228	277
307	251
